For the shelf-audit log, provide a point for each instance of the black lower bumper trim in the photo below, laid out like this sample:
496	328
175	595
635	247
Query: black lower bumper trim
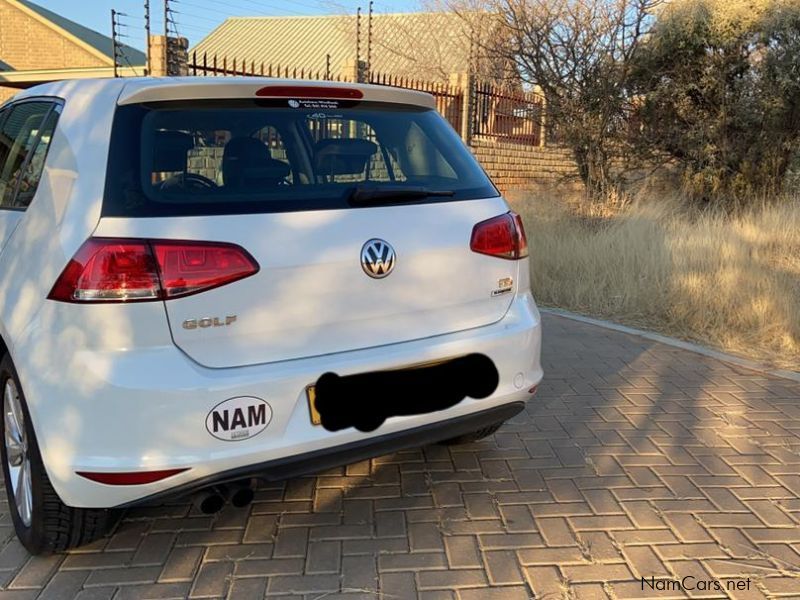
328	458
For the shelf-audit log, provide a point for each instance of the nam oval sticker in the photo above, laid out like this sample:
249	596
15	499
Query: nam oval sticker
238	418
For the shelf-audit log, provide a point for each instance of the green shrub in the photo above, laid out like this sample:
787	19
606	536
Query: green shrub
720	88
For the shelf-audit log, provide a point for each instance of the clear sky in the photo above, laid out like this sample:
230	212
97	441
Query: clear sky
196	18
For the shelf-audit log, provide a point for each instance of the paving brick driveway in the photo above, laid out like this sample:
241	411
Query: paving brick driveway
635	459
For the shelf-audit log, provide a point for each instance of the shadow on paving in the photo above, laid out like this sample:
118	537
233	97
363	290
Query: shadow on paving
634	460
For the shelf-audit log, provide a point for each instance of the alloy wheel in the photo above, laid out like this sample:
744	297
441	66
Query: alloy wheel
19	464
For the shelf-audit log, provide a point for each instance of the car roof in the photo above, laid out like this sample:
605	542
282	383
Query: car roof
153	89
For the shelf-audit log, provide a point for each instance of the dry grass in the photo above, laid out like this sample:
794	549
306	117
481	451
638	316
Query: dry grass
732	282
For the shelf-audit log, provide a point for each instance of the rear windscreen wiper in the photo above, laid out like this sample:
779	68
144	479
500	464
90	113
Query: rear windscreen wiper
373	194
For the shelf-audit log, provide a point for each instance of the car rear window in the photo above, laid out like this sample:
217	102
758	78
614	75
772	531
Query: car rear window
256	156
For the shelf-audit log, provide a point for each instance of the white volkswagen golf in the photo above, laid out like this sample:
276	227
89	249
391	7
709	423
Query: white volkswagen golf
206	281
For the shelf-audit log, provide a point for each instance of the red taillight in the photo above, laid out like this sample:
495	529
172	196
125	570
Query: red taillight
130	478
109	270
502	236
125	270
190	267
309	91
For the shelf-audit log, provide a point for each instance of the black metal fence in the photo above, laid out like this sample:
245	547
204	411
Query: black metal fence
495	112
509	114
449	98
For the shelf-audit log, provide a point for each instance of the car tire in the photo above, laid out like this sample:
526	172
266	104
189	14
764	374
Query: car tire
46	524
473	436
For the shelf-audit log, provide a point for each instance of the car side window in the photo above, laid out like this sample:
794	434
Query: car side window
32	171
24	138
5	143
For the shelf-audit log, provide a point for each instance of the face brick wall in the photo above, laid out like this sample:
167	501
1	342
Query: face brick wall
520	167
6	93
49	51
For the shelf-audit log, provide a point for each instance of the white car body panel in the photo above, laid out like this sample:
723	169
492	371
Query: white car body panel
122	387
127	410
312	298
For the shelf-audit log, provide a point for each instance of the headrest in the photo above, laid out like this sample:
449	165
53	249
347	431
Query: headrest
247	161
170	150
342	156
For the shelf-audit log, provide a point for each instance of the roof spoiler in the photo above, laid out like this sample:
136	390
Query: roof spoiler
208	88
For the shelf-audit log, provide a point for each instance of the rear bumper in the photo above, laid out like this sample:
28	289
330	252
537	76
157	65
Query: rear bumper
146	409
328	458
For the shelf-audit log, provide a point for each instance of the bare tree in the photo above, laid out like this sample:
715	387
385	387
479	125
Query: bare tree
580	54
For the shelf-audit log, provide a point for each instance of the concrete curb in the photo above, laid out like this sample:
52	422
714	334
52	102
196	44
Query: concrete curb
662	339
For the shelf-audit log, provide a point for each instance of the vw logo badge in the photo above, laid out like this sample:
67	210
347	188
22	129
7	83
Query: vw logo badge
377	258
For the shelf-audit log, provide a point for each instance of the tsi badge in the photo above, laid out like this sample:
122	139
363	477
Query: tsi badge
504	286
238	418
